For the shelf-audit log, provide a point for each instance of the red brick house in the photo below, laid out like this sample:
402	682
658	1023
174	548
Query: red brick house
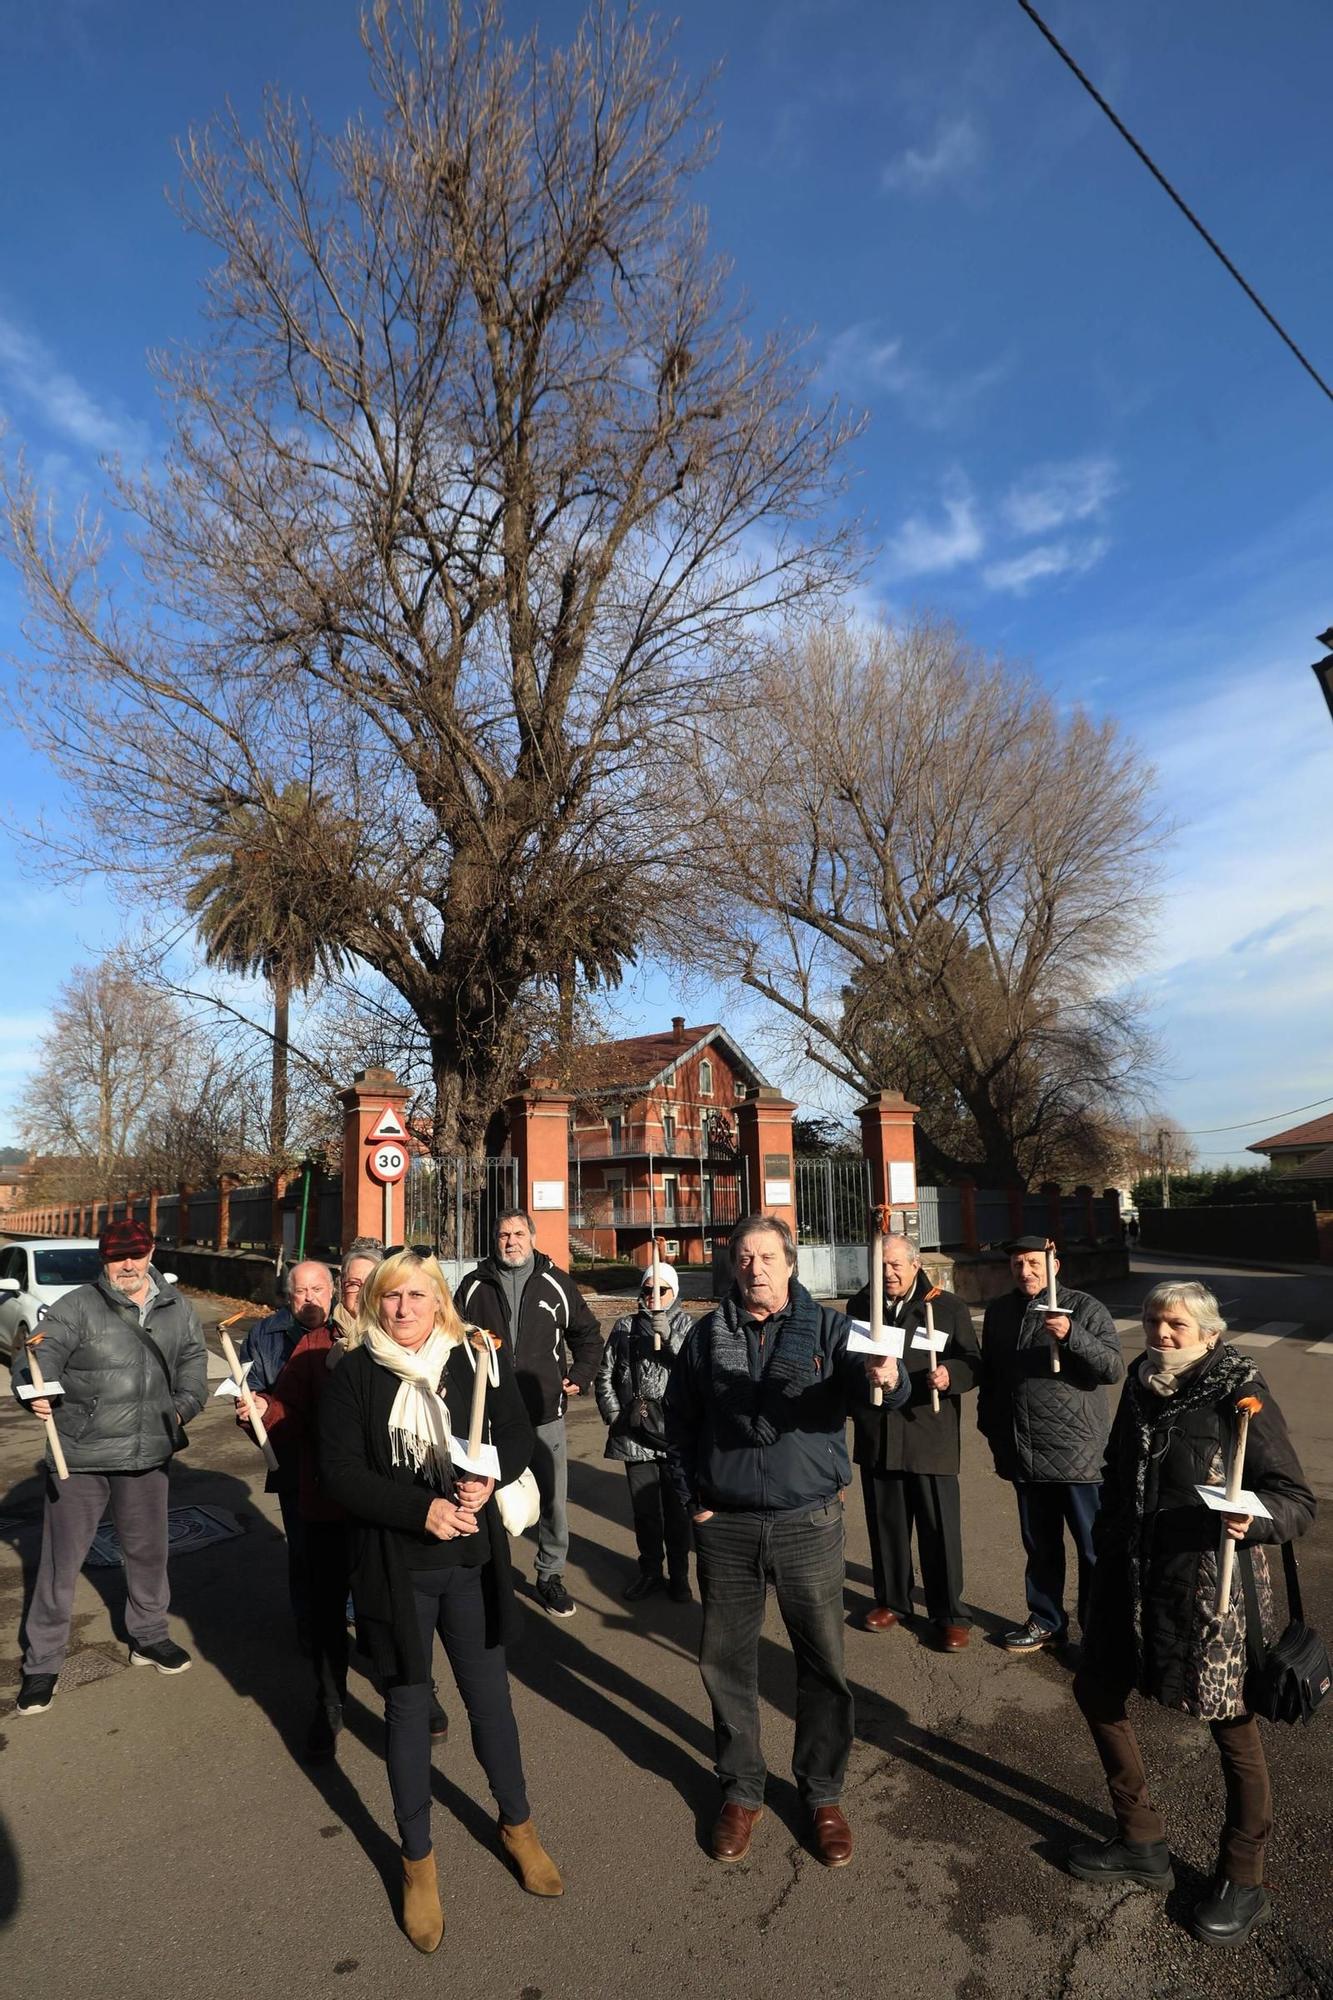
653	1143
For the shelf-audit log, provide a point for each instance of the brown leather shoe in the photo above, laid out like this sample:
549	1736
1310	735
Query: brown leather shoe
953	1638
879	1618
731	1833
833	1837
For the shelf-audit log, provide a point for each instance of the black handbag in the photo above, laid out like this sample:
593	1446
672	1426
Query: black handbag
1286	1681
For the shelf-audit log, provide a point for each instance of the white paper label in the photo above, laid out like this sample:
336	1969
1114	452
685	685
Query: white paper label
889	1346
26	1393
777	1194
547	1195
228	1387
902	1184
932	1343
1244	1502
486	1464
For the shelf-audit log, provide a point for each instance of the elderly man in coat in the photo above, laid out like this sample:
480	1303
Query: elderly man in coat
1047	1427
128	1353
909	1457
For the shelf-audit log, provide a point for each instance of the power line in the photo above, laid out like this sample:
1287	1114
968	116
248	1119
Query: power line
1180	203
1206	1131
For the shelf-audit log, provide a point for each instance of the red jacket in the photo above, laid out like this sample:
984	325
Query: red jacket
292	1419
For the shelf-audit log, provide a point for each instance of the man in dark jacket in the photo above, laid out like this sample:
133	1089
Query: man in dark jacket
1042	1410
538	1309
128	1354
756	1428
909	1457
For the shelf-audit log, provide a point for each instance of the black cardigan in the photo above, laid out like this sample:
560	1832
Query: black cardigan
388	1504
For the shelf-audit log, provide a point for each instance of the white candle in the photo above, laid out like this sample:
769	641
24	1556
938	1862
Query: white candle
1052	1305
934	1357
876	1296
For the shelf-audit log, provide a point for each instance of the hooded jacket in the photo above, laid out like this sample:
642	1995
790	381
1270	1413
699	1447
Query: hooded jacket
632	1381
118	1413
1040	1426
553	1315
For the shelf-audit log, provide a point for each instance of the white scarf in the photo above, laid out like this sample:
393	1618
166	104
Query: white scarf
419	1419
1162	1367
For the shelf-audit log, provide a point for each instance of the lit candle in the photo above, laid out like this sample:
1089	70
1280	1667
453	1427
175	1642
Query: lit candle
1052	1304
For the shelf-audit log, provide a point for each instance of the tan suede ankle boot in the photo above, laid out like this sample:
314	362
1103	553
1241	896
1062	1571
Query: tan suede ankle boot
537	1872
423	1919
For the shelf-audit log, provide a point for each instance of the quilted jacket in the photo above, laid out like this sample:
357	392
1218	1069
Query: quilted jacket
632	1381
1043	1427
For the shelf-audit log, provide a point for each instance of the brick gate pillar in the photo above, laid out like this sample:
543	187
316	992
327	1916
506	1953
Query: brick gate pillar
763	1134
539	1142
372	1092
888	1140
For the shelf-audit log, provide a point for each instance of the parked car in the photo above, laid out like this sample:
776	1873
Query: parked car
34	1274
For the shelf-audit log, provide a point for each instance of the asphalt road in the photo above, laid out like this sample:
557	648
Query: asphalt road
159	1834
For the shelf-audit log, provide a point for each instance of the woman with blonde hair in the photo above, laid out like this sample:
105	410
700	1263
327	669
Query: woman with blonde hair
1152	1622
429	1553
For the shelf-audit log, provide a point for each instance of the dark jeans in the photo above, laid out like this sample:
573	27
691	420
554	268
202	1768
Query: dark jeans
1249	1819
449	1601
897	1502
1044	1511
661	1525
739	1555
327	1576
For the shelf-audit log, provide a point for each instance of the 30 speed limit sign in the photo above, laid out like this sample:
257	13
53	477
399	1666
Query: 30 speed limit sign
387	1163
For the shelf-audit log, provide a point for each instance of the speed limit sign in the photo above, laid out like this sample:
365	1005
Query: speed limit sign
387	1163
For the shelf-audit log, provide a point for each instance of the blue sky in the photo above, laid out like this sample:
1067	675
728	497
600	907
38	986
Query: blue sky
1084	443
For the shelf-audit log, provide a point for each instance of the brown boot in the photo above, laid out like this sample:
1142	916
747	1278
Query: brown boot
536	1870
423	1919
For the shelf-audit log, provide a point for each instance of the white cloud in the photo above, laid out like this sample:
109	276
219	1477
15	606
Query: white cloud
1054	495
1039	565
860	362
923	547
31	375
954	152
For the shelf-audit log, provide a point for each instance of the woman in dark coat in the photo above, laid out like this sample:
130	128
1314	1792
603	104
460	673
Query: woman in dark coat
1152	1623
429	1553
631	1383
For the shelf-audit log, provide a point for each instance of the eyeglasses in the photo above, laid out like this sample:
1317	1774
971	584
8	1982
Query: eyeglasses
657	1292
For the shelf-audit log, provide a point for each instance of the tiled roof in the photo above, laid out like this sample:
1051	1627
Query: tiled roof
638	1060
1315	1132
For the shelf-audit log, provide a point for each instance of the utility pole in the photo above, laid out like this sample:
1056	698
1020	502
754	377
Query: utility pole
1163	1169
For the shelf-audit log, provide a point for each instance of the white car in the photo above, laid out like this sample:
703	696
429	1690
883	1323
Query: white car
34	1274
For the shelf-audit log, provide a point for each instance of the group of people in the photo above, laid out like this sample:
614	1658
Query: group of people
733	1432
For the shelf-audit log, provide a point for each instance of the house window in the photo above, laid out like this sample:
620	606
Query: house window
614	1125
669	1132
705	1078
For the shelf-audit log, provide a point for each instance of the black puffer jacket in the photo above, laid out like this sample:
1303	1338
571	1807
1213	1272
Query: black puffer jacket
1151	1622
915	1438
1041	1426
118	1413
632	1382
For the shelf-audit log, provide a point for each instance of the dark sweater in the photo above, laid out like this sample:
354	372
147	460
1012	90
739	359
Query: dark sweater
388	1504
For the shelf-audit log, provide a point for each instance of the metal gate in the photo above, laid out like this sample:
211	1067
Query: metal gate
454	1204
832	1206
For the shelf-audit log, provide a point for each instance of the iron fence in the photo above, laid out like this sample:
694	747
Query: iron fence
832	1201
454	1204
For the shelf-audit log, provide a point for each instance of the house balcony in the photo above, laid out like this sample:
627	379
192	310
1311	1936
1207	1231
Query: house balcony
635	1212
601	1146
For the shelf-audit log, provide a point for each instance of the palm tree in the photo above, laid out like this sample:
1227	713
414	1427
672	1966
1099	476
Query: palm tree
249	918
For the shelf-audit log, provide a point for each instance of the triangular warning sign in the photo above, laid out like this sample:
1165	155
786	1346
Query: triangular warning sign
387	1126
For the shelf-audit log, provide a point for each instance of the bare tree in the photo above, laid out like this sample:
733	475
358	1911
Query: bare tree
942	884
106	1064
470	507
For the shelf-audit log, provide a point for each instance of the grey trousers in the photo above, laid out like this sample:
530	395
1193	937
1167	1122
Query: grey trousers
74	1507
550	1469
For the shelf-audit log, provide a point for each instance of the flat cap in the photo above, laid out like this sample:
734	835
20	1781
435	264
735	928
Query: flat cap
124	1239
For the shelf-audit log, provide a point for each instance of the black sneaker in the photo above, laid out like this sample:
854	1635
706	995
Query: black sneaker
1146	1861
1229	1912
163	1654
36	1693
439	1721
642	1584
1031	1638
553	1597
321	1743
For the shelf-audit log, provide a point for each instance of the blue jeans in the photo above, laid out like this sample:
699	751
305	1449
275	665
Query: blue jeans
550	1469
802	1556
1044	1511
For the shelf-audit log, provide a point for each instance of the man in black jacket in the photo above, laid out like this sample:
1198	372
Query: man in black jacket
909	1457
756	1429
538	1309
128	1354
1047	1427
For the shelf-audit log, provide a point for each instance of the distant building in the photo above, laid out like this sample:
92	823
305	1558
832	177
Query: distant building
653	1143
1296	1148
